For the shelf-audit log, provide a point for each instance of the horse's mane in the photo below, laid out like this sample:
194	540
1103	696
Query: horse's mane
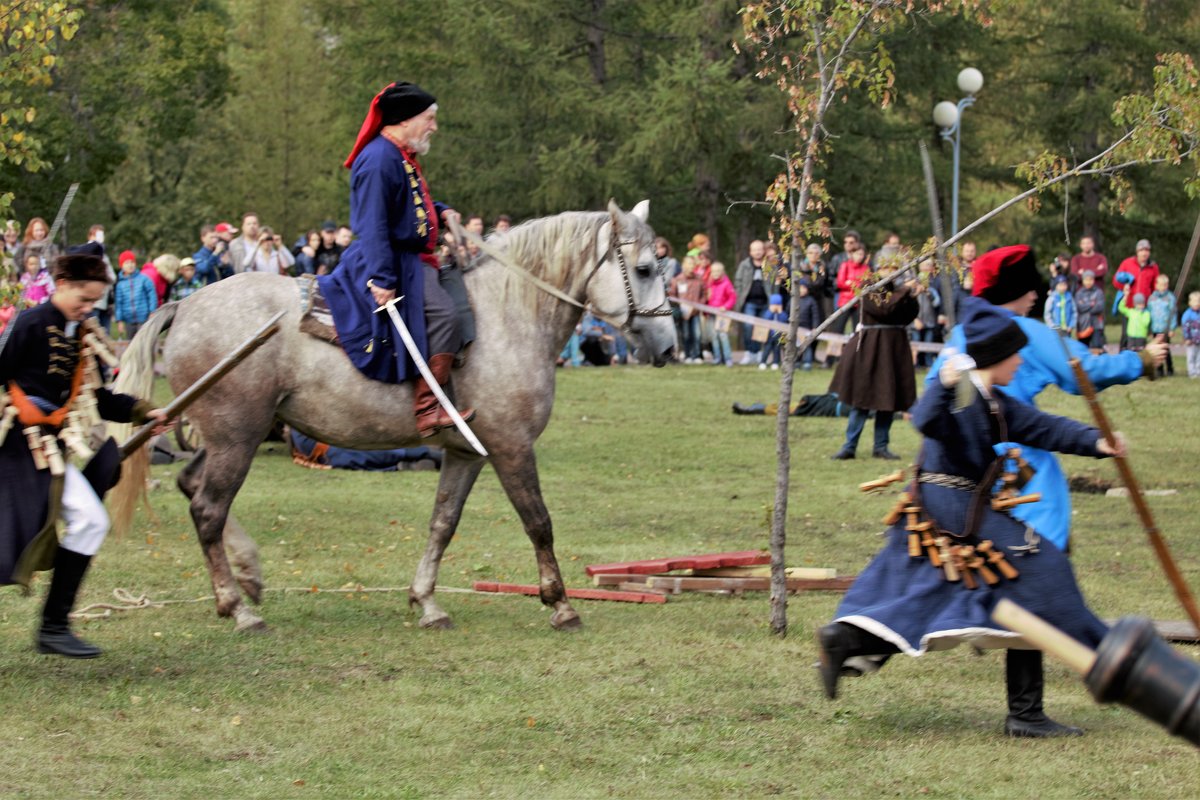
560	249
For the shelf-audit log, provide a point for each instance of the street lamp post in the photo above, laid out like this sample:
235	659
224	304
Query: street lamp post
948	117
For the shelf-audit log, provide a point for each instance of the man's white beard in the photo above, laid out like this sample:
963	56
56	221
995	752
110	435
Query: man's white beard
419	146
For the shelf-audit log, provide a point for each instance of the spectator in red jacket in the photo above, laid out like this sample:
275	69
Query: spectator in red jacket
850	276
1143	273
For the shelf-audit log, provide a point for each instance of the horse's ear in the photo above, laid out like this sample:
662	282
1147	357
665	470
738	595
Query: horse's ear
642	210
614	211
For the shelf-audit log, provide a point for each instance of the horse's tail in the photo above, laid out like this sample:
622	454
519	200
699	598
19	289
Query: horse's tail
136	378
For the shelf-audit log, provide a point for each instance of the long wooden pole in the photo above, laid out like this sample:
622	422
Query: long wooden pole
190	394
1187	263
1135	495
1037	631
938	234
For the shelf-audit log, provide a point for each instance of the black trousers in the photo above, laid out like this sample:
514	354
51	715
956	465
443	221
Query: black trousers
441	316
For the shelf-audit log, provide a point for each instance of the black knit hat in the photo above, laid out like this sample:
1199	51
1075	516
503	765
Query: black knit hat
992	335
402	101
80	266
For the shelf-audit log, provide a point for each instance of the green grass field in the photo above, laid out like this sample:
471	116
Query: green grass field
347	698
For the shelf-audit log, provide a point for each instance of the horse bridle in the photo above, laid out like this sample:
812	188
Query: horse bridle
614	244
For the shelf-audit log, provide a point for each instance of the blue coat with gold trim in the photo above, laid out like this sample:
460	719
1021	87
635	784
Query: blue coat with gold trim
392	226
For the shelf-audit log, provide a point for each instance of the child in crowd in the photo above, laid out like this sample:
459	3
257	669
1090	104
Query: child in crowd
1089	312
926	326
1161	305
688	286
721	294
1191	334
187	284
134	297
769	355
1060	307
808	317
36	283
1137	322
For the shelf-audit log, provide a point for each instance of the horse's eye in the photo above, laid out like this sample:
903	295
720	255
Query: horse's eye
645	270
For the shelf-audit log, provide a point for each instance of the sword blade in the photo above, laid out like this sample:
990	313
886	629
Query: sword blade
423	368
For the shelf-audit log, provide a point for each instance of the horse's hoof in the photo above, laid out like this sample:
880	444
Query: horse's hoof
566	621
441	622
249	622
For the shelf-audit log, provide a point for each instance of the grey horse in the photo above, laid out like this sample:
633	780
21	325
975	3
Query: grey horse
605	259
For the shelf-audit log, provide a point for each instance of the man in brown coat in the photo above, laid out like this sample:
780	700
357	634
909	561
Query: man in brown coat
875	372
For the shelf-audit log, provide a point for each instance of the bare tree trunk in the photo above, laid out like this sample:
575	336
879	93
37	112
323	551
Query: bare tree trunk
595	42
783	450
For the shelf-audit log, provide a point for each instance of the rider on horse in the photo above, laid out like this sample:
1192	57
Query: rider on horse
396	224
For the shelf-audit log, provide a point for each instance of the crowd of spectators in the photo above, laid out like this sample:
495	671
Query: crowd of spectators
1139	297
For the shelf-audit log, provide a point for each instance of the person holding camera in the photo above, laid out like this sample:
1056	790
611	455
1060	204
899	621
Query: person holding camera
213	256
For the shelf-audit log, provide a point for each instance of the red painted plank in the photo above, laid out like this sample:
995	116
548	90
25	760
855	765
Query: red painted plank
741	558
576	594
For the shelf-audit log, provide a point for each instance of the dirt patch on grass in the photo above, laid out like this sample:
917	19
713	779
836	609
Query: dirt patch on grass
1089	484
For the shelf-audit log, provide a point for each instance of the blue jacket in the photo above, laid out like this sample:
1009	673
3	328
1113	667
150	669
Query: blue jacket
134	298
389	216
1045	363
1060	311
208	265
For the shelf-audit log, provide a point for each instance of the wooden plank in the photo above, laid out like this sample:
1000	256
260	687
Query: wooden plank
673	583
606	579
631	586
807	573
575	594
738	558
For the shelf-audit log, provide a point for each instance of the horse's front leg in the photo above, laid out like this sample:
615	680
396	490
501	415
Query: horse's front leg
518	475
457	477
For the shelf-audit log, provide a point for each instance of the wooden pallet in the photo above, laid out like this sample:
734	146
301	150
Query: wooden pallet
655	566
674	584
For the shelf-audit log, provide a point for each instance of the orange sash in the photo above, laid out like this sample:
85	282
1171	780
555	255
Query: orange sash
29	414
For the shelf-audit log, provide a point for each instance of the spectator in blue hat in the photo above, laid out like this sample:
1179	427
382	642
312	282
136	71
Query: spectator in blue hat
769	355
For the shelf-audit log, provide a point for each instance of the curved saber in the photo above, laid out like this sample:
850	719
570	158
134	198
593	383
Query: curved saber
423	368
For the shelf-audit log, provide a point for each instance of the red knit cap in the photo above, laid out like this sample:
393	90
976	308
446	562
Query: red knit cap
127	255
1004	274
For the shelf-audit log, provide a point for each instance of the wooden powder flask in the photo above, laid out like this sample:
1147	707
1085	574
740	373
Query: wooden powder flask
882	482
943	546
997	559
893	516
53	455
1004	501
33	436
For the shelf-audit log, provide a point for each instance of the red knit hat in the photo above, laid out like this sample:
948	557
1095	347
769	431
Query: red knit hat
1004	274
127	255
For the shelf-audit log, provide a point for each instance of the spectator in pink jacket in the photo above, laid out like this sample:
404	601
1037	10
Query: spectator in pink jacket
721	294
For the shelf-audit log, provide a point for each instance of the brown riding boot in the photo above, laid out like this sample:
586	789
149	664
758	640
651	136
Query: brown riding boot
431	417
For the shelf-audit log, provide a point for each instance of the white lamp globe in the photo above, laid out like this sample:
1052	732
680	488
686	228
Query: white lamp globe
970	80
945	114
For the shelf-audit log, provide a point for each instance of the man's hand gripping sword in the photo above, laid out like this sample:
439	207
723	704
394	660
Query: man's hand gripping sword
423	368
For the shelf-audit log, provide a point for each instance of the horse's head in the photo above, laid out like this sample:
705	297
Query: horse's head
627	288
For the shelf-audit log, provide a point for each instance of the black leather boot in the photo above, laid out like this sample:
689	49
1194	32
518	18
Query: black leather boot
1023	675
839	641
55	634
